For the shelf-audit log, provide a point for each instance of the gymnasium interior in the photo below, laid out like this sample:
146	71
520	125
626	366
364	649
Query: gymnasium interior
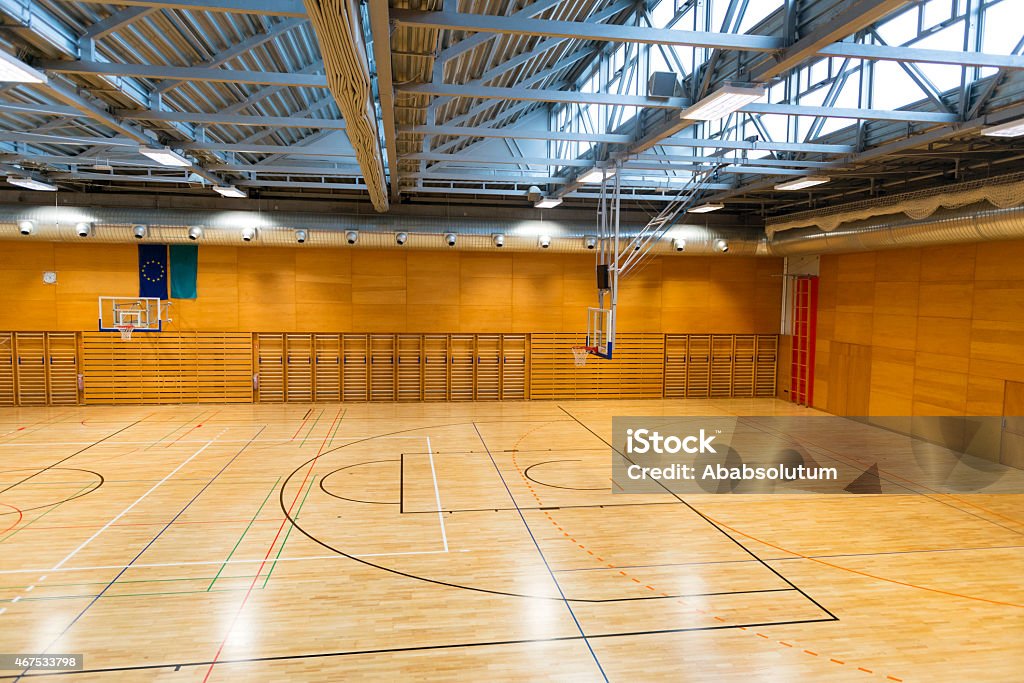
328	327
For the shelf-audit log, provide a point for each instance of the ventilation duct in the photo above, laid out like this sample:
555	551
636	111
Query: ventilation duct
339	32
279	229
944	227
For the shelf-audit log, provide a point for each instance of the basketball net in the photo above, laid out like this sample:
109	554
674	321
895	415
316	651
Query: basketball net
126	331
580	354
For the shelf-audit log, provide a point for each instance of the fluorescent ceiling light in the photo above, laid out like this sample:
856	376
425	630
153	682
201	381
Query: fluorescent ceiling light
229	191
547	203
1010	129
801	183
595	175
13	70
164	156
706	208
31	184
724	101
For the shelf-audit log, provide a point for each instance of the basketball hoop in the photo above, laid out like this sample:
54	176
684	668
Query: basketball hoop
580	354
126	331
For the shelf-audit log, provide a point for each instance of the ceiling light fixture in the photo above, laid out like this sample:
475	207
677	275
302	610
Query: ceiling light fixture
595	175
165	156
1010	129
547	203
724	101
229	191
31	184
804	182
13	70
706	208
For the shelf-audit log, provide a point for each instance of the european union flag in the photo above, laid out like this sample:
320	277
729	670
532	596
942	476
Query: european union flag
153	271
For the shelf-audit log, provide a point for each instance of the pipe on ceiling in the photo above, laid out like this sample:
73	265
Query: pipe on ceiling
968	224
169	226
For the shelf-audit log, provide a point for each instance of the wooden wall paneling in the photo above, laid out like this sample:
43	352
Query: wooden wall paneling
270	367
30	368
513	366
7	369
382	367
355	379
744	353
462	353
327	367
410	367
487	378
698	366
766	373
298	381
675	365
636	371
62	368
170	367
435	367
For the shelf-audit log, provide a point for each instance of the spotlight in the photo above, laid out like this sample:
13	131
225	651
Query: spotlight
165	156
722	246
26	227
83	229
31	184
450	238
401	237
499	240
352	236
229	191
300	236
547	203
544	241
678	244
195	233
590	242
248	234
139	231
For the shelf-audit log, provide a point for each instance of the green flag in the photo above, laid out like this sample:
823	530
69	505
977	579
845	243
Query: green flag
184	267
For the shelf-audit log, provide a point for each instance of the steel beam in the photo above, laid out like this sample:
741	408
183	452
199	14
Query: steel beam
116	21
286	150
912	54
542	95
578	30
230	119
380	28
281	8
183	73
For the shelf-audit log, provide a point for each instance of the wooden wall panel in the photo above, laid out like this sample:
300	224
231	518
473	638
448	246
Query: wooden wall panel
277	289
945	327
355	379
327	367
514	361
298	379
635	371
197	367
30	368
270	367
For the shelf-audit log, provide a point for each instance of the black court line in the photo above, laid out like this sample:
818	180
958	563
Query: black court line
99	483
415	648
844	459
526	473
144	549
355	500
546	507
63	460
700	514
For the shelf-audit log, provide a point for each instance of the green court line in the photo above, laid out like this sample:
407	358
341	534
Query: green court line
239	541
103	583
182	426
36	519
336	428
312	428
289	533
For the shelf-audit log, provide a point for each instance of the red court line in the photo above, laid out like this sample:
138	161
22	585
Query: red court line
191	430
284	522
127	524
21	515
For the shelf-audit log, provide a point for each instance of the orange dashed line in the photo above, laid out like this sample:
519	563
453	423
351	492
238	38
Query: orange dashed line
761	635
584	547
623	573
893	678
590	552
635	579
651	587
837	661
813	654
867	671
782	642
720	619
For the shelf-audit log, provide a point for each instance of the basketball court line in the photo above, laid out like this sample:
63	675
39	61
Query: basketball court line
144	549
437	495
540	552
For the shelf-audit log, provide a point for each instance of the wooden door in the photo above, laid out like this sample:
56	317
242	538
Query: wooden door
721	364
62	368
766	370
513	366
382	367
460	378
299	368
743	365
435	367
675	365
410	367
698	366
487	378
30	368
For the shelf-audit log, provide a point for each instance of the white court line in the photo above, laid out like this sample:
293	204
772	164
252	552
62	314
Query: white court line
124	512
437	495
160	565
186	441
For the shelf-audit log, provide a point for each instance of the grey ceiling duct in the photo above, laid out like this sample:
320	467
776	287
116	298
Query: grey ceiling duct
278	229
969	224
